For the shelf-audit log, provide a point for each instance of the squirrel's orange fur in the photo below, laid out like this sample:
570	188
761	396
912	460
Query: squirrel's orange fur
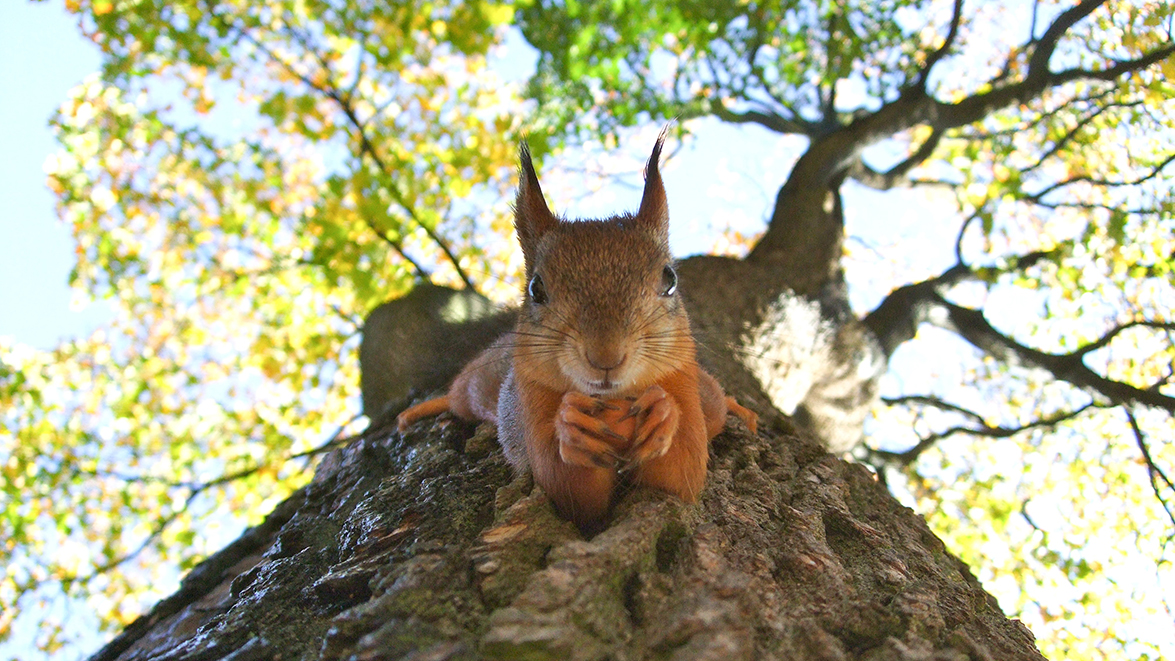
601	326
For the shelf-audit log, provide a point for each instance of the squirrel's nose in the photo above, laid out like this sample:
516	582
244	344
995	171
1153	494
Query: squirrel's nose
605	361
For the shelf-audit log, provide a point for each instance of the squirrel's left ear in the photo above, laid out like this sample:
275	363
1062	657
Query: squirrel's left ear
654	209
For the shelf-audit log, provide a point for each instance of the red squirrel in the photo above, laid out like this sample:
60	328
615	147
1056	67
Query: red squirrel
599	377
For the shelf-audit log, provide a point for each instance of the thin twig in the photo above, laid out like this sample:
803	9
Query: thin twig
1154	471
366	147
908	456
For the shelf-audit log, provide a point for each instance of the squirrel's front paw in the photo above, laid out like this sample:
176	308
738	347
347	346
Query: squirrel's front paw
585	438
657	415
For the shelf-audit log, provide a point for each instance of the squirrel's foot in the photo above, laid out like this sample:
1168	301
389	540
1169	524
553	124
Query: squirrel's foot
421	410
585	439
749	417
657	415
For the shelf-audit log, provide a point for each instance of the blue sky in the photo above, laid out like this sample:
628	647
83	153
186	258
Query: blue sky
42	55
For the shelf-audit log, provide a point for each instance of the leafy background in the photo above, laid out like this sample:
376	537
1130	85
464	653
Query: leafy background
241	187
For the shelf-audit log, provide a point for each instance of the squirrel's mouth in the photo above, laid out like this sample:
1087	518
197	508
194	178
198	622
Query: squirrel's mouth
603	387
597	386
598	383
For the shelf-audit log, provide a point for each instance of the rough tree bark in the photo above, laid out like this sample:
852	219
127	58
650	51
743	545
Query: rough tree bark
424	546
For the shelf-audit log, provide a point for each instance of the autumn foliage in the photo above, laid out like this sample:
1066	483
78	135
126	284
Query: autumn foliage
245	181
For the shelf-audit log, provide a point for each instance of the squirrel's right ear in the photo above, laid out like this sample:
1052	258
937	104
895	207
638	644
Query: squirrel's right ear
532	218
654	210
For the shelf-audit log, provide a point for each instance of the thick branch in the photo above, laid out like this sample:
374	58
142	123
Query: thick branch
896	320
915	106
805	231
1025	122
974	327
975	108
1038	64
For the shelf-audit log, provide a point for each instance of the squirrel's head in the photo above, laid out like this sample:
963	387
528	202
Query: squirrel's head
601	313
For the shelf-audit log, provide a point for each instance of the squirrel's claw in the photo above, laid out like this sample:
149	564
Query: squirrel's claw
588	423
589	404
633	411
658	424
584	439
580	448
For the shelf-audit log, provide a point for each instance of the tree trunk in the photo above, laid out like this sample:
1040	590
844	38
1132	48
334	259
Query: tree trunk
424	546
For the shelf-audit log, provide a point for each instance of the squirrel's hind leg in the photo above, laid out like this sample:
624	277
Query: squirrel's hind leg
716	404
473	395
422	410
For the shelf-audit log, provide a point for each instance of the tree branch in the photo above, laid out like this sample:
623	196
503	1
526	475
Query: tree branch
1038	63
366	147
936	56
802	239
194	490
1060	143
936	403
1093	205
1155	473
974	108
1116	330
769	120
974	327
827	103
1035	197
895	176
1121	67
897	318
397	246
963	230
915	106
906	457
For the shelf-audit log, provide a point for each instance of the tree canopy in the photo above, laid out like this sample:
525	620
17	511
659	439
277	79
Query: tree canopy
246	180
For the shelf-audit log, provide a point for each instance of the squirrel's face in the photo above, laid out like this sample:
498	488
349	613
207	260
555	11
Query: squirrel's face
602	314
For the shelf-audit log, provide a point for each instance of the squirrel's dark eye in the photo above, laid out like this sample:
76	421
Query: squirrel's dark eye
668	281
537	291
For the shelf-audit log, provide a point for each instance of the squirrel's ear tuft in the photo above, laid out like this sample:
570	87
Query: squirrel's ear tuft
532	218
654	209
